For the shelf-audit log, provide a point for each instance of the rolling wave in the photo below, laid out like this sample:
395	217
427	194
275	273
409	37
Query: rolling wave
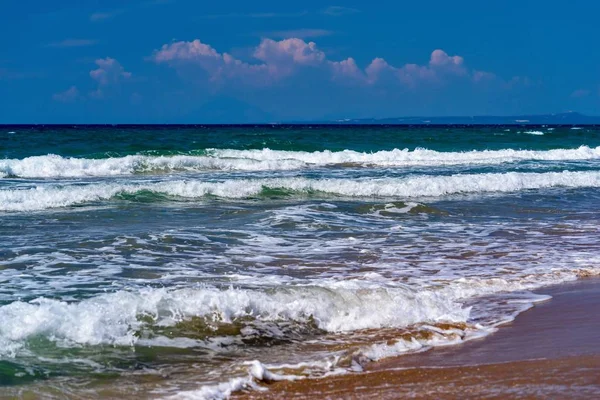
117	318
55	166
53	196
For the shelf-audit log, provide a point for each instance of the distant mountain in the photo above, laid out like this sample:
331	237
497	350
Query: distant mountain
569	118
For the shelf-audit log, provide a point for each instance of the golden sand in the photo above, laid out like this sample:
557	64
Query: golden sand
549	352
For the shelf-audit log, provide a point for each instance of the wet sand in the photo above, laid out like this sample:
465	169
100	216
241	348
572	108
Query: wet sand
550	351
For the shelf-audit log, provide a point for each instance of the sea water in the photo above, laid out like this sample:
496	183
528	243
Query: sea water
194	261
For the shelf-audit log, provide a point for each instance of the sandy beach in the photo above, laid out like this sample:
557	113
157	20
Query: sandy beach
550	351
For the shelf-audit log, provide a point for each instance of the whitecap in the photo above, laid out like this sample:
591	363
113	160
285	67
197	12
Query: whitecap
55	166
54	196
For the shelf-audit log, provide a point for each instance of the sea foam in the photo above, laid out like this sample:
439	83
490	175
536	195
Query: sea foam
52	196
115	318
55	166
536	133
333	306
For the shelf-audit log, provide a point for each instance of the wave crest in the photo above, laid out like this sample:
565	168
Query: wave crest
55	166
117	318
54	196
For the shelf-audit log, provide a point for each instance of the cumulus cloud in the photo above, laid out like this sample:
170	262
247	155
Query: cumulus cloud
217	65
441	58
108	74
440	67
346	69
186	51
69	95
377	68
279	59
109	71
289	51
276	60
108	77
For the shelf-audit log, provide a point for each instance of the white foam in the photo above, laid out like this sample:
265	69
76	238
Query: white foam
261	373
459	289
438	338
217	392
333	306
538	133
114	318
405	157
55	166
53	196
179	343
107	319
256	372
392	209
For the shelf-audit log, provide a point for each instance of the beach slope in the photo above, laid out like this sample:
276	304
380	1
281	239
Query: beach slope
550	351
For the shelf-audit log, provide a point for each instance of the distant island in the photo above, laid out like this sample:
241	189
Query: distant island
568	118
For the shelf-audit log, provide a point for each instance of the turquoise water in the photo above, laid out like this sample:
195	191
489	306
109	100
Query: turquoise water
192	261
104	141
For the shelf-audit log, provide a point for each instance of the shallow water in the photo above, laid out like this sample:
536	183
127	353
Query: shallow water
176	261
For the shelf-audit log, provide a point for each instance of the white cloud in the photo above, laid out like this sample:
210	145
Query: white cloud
276	60
69	95
109	71
108	74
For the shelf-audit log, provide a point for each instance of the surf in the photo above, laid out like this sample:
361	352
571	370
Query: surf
41	197
56	166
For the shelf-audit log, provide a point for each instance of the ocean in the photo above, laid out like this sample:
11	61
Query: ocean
190	262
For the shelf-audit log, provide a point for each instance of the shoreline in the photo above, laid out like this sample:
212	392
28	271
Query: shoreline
550	350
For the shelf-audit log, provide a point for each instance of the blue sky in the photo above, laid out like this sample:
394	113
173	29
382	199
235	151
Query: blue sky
186	61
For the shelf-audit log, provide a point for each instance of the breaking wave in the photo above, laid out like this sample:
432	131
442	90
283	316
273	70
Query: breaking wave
55	166
117	318
53	196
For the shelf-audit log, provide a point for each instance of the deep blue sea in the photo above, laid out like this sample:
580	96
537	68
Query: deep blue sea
193	261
